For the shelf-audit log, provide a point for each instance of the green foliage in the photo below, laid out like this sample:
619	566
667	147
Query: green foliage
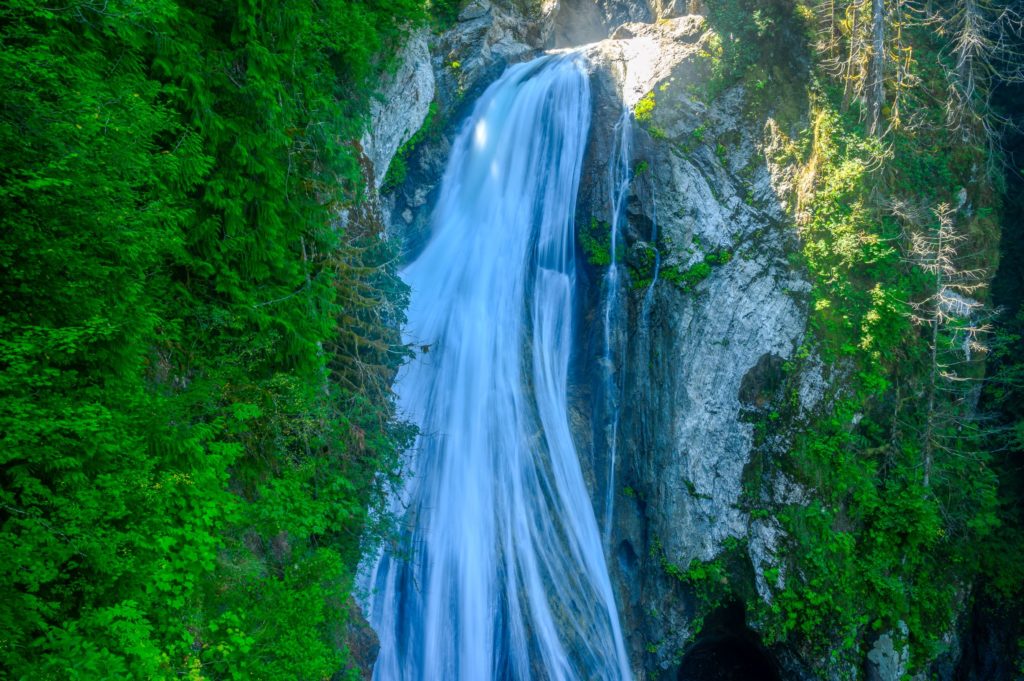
657	133
712	583
643	112
687	279
642	261
191	442
876	546
749	34
398	169
718	257
867	548
1003	552
445	12
596	242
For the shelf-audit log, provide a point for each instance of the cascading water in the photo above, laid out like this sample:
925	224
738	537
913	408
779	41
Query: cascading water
644	327
645	309
499	572
614	350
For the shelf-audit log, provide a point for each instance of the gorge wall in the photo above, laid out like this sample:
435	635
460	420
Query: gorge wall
715	303
701	343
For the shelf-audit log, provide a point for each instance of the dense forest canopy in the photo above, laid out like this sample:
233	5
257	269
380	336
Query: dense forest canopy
196	350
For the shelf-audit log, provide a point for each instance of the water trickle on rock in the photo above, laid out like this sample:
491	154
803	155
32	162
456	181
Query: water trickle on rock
499	572
644	327
620	177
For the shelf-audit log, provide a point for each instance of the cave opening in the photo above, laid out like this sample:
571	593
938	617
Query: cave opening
728	650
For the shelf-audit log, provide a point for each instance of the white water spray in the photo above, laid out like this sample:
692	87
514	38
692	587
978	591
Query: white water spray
500	572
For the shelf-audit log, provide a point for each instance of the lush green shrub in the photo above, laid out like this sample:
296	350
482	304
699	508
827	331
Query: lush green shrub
644	109
596	241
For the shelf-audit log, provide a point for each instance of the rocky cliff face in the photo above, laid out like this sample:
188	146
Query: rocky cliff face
704	343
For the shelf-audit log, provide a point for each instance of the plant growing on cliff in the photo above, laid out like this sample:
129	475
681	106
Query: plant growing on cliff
877	545
688	278
596	241
747	34
398	169
643	112
445	12
712	583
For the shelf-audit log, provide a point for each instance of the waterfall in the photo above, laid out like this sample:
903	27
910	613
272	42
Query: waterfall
619	181
645	309
644	326
499	572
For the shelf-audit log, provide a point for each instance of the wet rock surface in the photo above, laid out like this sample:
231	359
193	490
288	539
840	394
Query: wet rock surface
361	641
699	349
487	37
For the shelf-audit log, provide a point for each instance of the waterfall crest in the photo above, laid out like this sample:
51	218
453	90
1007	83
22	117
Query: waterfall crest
499	572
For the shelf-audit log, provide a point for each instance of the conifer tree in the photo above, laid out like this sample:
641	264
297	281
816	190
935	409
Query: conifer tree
952	316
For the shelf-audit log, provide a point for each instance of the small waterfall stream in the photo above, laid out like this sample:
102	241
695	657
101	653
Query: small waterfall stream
645	308
644	326
499	572
620	176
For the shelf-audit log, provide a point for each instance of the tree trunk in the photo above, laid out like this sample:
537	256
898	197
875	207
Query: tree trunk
848	84
876	82
929	434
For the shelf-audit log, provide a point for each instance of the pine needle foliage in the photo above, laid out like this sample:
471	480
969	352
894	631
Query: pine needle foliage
195	347
897	220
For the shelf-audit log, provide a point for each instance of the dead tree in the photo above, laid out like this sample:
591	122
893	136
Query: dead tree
875	88
951	314
863	45
903	14
985	48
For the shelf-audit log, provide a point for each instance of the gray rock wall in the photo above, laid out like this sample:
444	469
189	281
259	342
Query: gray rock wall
402	106
690	351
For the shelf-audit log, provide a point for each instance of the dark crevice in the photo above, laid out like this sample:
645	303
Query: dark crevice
728	650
